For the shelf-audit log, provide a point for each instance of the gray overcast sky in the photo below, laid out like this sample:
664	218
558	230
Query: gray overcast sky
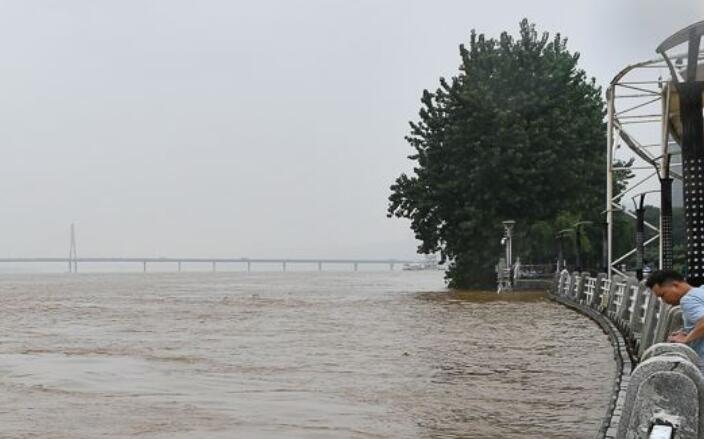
259	128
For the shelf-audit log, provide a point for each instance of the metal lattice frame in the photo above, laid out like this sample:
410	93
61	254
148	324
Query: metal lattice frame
637	100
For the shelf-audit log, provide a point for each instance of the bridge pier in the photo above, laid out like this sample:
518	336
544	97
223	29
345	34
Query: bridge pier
320	266
249	266
144	266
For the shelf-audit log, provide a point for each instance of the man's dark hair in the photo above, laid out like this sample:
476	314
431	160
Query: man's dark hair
659	277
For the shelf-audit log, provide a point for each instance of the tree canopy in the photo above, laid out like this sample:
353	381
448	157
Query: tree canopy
518	133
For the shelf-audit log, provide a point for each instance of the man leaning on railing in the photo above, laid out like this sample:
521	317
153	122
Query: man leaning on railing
673	289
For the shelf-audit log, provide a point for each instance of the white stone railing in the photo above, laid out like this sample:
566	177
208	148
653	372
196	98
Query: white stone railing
665	392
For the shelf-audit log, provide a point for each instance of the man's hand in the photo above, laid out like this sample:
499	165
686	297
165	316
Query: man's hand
677	337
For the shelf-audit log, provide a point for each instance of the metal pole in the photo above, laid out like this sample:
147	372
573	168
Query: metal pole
690	93
666	257
508	233
605	247
508	250
559	253
640	238
578	245
665	253
610	96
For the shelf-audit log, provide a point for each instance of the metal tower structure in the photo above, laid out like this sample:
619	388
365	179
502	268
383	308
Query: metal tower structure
646	113
688	129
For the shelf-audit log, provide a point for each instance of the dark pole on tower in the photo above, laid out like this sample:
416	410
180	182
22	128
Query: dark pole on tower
690	90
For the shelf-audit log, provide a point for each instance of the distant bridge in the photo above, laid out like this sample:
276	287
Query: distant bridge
73	260
213	262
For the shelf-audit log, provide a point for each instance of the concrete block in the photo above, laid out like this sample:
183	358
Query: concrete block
569	288
605	293
589	289
578	286
637	316
679	349
651	320
618	290
660	328
665	389
629	297
596	298
563	283
671	322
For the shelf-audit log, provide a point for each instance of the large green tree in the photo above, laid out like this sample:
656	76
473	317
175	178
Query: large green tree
517	134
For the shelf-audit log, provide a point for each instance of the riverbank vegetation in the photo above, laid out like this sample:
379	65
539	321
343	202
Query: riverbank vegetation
519	133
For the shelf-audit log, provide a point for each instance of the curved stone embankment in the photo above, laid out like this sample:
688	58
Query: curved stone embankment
657	386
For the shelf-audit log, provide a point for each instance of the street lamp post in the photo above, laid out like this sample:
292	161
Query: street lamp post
605	246
558	266
560	250
508	243
508	230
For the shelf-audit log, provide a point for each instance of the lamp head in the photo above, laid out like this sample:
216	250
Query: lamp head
508	224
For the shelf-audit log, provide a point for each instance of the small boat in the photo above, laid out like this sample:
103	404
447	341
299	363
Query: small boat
430	263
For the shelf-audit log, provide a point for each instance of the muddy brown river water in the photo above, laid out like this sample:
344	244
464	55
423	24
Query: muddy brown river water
292	355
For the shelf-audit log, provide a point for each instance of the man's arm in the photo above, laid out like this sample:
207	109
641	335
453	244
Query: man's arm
694	334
